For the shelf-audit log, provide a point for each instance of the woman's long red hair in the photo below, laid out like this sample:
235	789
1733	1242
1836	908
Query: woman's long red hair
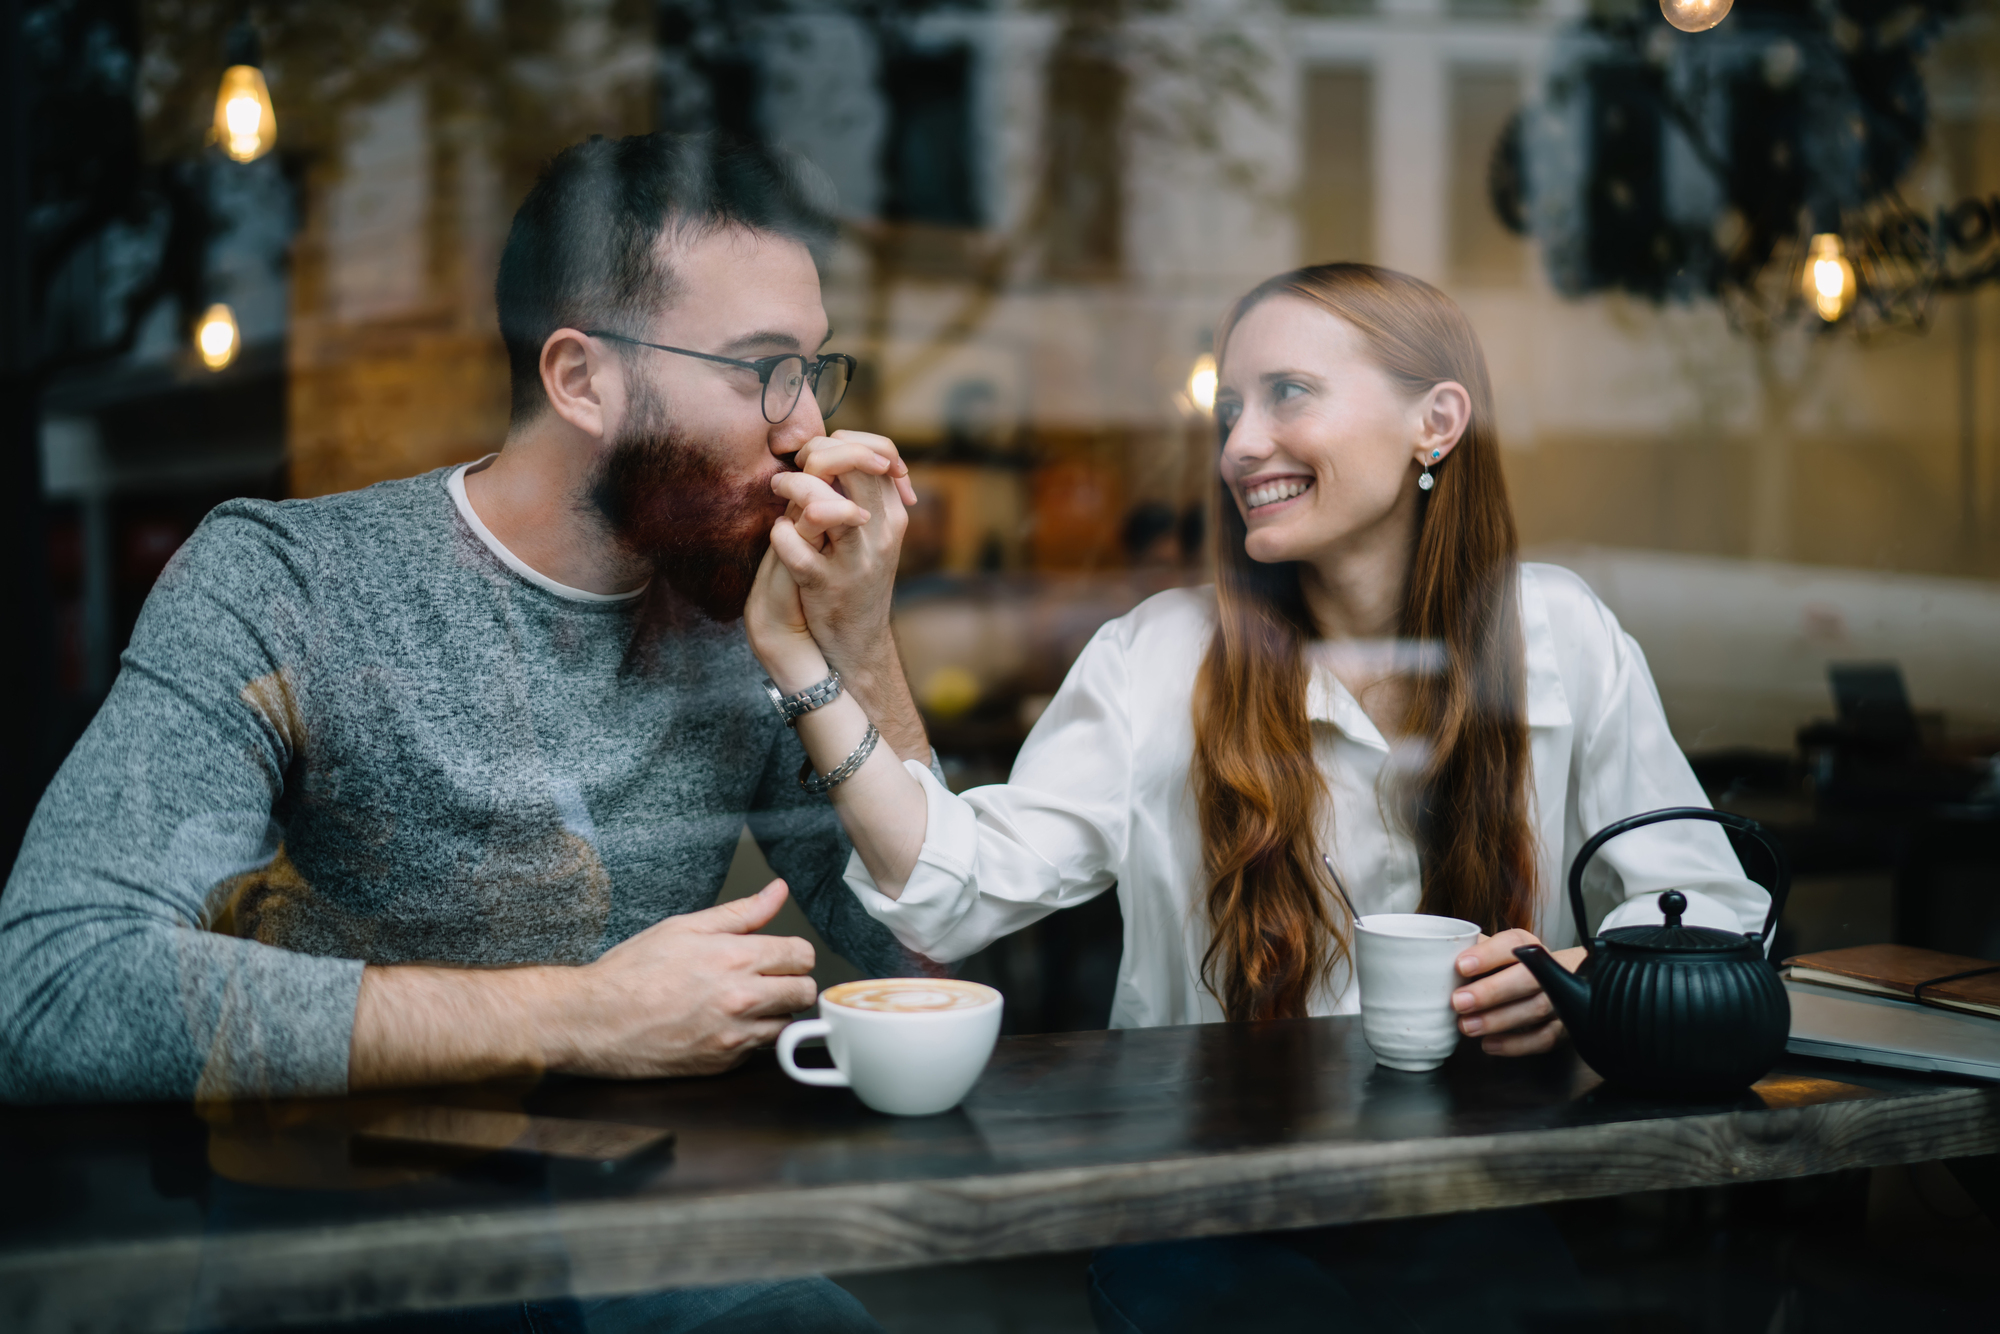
1274	933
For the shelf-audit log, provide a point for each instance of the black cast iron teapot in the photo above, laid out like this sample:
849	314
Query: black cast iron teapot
1672	1008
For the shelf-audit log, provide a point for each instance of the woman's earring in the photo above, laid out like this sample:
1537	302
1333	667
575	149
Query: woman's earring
1426	482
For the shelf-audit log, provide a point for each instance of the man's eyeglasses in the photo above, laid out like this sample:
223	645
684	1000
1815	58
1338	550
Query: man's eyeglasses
784	377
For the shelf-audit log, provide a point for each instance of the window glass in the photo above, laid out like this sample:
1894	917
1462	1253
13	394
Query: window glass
1738	291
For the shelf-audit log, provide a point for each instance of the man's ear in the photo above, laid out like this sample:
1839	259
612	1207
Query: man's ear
582	381
1443	413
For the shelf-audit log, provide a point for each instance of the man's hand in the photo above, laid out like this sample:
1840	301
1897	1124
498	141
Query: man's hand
1506	1008
692	995
688	996
845	570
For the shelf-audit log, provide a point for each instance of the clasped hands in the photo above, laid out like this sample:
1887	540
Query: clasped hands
823	592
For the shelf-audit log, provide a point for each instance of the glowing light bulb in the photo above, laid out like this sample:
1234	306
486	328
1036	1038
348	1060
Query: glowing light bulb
245	124
1695	15
1201	382
1828	280
216	336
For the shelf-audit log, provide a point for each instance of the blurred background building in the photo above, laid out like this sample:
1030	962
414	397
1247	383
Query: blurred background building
1048	204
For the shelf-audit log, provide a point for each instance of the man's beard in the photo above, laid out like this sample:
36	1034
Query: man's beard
668	501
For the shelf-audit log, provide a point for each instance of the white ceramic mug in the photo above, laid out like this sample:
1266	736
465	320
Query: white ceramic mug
911	1046
1407	963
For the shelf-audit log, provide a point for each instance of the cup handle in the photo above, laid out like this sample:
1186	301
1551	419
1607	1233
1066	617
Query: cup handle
788	1043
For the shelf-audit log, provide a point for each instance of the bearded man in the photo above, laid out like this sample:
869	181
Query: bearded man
439	780
367	748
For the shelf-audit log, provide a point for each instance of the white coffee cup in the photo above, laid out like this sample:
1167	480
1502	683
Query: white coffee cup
1407	964
911	1046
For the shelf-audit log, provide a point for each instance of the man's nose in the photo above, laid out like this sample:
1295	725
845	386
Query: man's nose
801	425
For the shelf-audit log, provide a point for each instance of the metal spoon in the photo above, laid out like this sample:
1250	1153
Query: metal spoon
1342	888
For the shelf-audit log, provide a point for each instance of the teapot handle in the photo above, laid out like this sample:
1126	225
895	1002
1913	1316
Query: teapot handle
1742	823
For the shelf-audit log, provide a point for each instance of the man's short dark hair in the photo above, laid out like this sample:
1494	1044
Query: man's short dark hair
583	253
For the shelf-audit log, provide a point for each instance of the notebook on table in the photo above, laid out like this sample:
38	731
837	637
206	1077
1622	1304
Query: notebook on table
1949	981
1856	1005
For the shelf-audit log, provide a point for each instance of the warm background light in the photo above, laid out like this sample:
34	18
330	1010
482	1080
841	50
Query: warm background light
245	124
216	336
1201	382
1695	15
1828	281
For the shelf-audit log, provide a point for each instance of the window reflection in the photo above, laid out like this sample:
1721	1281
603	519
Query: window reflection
1046	207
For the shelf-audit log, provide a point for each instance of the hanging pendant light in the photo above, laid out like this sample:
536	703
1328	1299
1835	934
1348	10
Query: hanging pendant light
1201	383
245	124
1695	15
216	336
1827	280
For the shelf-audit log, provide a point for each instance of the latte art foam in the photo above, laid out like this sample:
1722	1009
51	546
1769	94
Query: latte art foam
908	995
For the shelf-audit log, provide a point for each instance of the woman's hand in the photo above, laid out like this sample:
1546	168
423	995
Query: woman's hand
816	515
775	620
1505	1008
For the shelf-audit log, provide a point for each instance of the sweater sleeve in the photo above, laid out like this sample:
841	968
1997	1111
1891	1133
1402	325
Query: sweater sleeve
115	982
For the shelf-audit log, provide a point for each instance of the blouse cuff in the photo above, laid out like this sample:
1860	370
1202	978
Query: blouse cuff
1702	910
939	891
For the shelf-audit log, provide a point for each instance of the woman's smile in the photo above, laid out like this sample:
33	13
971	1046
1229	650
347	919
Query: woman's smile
1264	495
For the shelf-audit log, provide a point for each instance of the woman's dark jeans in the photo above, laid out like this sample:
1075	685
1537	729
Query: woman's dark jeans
1496	1272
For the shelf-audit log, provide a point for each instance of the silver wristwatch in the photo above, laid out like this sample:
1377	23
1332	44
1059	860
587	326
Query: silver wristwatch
794	707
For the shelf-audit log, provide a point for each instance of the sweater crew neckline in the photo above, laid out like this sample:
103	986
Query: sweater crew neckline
455	483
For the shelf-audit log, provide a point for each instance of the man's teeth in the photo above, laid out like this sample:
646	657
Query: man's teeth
1272	492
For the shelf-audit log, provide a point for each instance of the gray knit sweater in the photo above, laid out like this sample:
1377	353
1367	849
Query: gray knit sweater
347	732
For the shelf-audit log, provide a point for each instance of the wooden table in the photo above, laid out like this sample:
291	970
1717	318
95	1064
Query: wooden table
157	1217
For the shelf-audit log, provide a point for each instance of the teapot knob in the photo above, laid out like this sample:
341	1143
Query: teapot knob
1673	903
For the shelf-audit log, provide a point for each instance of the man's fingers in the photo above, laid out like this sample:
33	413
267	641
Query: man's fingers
880	445
738	916
764	1032
836	458
781	956
802	488
834	515
773	997
815	508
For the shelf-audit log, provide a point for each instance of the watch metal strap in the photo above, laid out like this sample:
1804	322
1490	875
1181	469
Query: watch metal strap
816	696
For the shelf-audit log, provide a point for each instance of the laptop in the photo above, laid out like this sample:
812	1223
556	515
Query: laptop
1843	1025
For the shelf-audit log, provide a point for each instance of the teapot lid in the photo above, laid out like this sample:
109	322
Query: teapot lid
1673	936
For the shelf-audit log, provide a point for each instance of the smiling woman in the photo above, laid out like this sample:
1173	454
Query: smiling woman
1375	694
1339	384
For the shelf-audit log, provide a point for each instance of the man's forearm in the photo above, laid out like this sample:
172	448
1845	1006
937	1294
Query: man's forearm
423	1025
882	691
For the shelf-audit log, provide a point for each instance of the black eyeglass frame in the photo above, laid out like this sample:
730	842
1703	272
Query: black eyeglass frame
765	367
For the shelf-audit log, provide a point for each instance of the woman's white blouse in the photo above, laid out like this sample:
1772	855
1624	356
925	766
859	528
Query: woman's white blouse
1100	796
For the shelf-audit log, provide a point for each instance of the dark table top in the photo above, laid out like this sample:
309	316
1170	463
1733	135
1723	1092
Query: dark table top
136	1216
